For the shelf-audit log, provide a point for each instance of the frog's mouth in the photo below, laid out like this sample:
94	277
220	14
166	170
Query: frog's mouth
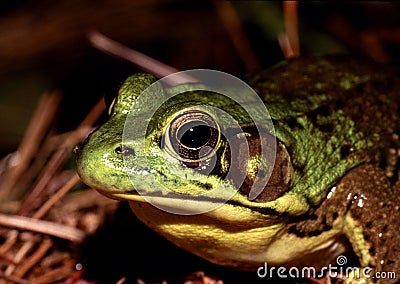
180	204
191	205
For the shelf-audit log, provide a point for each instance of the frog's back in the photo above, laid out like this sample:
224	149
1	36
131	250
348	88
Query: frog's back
365	92
336	76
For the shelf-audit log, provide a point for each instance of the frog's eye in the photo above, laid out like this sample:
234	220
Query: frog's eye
192	136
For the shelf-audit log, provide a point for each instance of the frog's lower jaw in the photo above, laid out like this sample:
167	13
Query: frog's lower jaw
246	243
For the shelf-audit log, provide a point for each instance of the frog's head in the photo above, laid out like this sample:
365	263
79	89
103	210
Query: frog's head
194	151
197	152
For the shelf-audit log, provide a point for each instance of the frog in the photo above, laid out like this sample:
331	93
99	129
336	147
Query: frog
334	187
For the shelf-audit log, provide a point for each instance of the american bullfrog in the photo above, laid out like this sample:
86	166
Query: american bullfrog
334	185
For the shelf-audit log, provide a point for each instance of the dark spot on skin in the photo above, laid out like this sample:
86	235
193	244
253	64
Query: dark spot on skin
326	127
321	112
298	168
125	151
302	234
266	211
395	178
388	262
344	151
289	149
339	104
316	233
294	124
371	251
163	175
381	85
324	111
206	186
293	230
313	217
324	221
301	231
360	88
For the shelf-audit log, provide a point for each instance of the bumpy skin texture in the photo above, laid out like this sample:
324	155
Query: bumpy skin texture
336	122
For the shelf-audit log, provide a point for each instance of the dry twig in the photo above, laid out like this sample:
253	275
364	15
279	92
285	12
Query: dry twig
290	40
232	24
43	227
29	145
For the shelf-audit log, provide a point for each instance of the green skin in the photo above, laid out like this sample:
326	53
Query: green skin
335	118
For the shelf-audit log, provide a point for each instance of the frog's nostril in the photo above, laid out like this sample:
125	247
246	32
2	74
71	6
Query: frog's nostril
118	150
125	151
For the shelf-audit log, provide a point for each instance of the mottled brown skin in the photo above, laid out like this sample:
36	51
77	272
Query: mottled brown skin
380	214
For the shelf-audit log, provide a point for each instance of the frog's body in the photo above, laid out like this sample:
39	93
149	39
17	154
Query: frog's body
335	176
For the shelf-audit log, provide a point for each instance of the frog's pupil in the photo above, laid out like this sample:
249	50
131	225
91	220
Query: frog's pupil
194	136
